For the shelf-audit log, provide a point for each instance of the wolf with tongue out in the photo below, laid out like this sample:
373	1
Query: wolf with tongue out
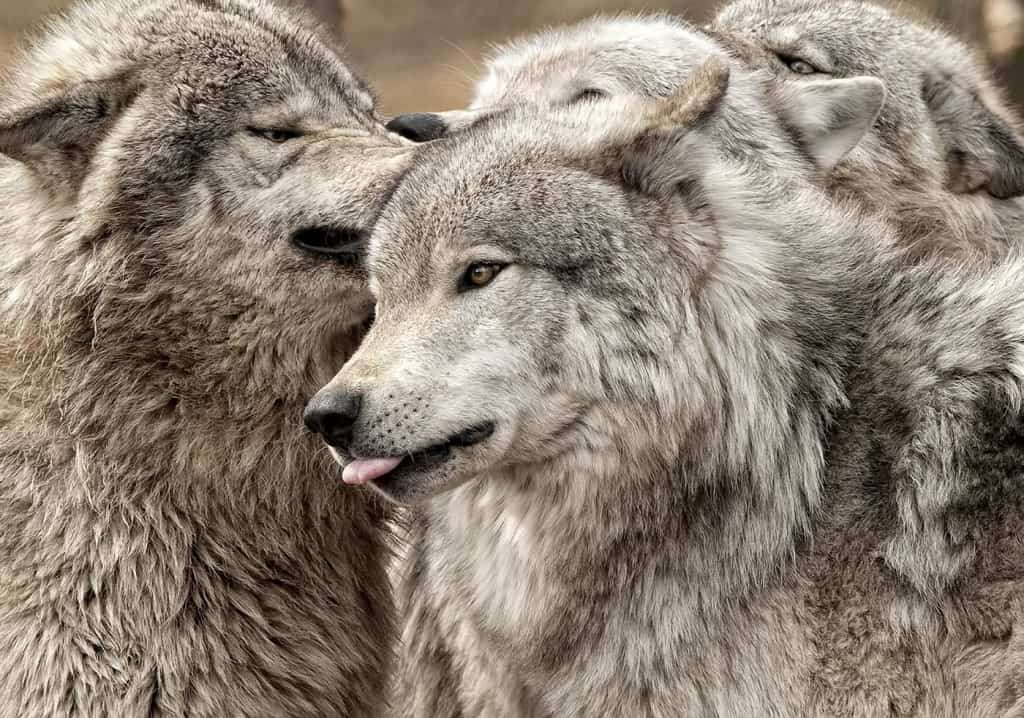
363	471
673	422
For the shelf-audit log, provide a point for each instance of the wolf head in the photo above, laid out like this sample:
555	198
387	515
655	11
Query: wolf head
943	113
213	144
586	62
605	285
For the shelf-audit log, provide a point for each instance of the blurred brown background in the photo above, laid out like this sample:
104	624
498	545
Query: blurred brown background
423	54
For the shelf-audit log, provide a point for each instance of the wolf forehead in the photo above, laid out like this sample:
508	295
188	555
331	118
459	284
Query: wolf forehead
229	45
513	182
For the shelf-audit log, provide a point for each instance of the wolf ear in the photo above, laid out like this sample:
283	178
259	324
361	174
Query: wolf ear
664	123
983	149
831	116
58	134
695	100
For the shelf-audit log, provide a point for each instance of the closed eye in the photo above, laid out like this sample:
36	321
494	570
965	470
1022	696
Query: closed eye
277	135
588	95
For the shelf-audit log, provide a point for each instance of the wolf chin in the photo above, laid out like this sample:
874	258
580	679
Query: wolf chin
187	189
681	434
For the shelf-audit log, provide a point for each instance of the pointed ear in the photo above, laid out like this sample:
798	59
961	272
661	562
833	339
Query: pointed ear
831	116
58	134
652	143
697	98
984	151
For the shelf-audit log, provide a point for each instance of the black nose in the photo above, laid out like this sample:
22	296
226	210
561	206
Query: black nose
332	415
419	126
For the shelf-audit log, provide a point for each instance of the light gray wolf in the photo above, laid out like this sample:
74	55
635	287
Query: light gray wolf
187	189
945	122
944	161
675	424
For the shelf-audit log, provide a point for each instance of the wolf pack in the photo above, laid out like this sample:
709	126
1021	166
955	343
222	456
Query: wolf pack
679	374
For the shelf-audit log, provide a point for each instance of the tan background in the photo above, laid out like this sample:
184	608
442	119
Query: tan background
423	54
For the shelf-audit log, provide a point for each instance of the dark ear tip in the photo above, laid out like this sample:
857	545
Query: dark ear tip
419	126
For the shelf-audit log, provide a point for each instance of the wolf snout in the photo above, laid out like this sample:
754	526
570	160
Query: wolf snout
419	126
332	414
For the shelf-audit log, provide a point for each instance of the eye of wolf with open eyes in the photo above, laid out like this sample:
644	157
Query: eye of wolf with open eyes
797	64
479	275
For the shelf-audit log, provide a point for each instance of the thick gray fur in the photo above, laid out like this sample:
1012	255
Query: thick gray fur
747	460
172	541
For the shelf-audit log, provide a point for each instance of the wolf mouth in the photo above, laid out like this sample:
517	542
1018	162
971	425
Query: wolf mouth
363	471
342	244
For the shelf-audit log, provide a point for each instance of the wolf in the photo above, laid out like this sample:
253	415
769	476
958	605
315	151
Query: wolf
655	397
188	186
945	160
942	101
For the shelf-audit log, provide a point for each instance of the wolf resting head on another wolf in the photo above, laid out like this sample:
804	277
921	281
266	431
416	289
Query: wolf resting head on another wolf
187	189
945	124
941	97
944	129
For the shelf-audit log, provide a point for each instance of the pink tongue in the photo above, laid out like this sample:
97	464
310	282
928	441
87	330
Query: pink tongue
363	471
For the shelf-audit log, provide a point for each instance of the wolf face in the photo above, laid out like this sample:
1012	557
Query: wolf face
234	141
942	100
529	290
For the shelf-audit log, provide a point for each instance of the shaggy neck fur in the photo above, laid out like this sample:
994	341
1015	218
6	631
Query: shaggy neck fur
222	384
165	504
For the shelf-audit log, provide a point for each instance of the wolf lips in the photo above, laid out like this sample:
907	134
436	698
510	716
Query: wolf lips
363	471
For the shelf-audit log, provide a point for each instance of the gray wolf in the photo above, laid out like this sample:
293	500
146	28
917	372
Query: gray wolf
945	123
944	161
657	403
187	188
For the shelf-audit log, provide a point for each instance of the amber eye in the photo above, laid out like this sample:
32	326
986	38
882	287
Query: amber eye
275	134
479	275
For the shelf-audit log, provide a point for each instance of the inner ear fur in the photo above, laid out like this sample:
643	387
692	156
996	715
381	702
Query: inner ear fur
831	117
984	150
57	134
